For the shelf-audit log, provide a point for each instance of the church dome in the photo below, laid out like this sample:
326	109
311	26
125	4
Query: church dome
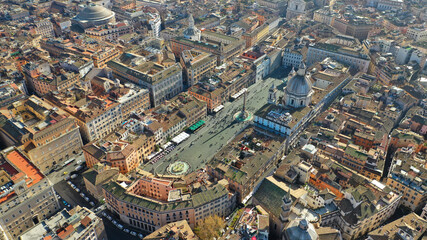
299	84
94	13
192	32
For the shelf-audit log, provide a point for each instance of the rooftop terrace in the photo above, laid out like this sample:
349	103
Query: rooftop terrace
245	155
18	168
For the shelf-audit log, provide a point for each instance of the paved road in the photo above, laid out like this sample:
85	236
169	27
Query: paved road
218	129
70	195
59	175
114	233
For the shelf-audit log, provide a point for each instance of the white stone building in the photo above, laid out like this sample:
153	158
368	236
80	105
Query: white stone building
192	32
344	49
418	34
295	8
291	58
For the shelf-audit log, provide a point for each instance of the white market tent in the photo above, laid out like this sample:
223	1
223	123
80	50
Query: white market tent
219	108
180	138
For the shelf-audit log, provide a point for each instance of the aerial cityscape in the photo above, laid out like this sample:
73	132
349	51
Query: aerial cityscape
213	120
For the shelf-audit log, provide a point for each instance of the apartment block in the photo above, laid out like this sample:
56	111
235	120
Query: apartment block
44	28
407	176
418	34
362	210
139	203
292	56
222	46
176	230
98	175
384	5
77	223
410	226
196	65
163	82
324	15
131	98
356	27
245	174
119	154
96	117
27	196
43	78
343	49
49	136
99	52
260	61
386	70
110	32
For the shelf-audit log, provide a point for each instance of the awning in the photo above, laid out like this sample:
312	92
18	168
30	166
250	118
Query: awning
180	138
219	108
196	125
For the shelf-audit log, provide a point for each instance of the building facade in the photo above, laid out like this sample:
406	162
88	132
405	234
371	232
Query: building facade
196	65
45	29
77	223
119	154
356	59
413	189
96	119
418	34
361	210
109	32
48	136
295	8
140	207
28	196
163	82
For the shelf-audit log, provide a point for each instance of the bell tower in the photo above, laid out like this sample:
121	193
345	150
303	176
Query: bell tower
286	207
272	95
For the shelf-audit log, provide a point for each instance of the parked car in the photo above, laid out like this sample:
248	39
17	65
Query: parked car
92	204
87	199
140	235
133	233
69	183
82	194
78	168
77	190
109	217
126	230
119	226
104	214
114	222
73	176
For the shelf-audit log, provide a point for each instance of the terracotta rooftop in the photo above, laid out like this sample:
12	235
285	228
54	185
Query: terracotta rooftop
26	167
66	232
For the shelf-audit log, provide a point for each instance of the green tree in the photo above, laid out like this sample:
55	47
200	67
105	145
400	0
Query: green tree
210	228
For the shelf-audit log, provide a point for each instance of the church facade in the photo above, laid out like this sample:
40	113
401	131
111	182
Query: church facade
295	9
307	92
283	114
